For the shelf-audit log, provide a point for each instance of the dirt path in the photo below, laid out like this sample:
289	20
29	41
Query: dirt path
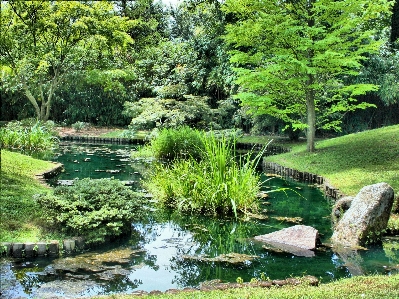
93	131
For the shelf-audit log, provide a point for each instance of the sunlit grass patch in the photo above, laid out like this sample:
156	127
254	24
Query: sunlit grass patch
359	287
350	162
18	211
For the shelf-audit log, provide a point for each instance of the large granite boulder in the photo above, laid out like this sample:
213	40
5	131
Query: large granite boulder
366	218
299	240
340	207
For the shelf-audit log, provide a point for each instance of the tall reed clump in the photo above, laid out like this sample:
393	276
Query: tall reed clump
180	143
28	138
215	184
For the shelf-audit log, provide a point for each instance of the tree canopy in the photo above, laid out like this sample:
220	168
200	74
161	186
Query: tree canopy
294	57
43	41
288	67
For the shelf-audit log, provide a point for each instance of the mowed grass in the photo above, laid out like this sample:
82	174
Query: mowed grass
359	287
19	213
352	161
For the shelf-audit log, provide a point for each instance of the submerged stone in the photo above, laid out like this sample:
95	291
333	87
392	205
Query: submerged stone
231	258
296	220
63	289
95	262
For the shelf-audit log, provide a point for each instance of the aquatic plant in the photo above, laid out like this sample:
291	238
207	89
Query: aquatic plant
215	184
175	143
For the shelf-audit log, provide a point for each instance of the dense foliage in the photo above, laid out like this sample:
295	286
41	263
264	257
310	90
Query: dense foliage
95	209
214	184
29	136
42	42
103	62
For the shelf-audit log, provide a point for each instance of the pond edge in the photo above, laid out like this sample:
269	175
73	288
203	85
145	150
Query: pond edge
303	176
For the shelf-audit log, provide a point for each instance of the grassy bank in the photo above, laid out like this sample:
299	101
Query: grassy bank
18	211
352	161
370	287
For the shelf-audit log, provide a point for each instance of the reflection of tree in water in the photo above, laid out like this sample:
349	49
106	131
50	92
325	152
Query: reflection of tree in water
191	273
212	237
108	270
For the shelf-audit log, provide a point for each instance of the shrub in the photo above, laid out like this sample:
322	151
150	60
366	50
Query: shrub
29	137
96	209
80	125
215	184
182	142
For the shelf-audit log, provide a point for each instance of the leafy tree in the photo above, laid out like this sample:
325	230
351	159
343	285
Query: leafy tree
382	69
44	41
395	23
150	113
201	24
294	57
151	22
186	79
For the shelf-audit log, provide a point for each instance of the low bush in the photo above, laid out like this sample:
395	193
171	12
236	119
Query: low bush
80	125
96	209
214	184
28	137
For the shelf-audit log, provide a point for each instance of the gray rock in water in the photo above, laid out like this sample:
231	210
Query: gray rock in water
299	240
367	217
340	207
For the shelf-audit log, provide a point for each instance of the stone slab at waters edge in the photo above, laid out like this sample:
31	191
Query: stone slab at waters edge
366	218
299	240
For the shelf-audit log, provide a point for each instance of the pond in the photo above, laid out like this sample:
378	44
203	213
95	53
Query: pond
175	251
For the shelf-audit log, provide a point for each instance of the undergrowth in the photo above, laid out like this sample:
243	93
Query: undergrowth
29	136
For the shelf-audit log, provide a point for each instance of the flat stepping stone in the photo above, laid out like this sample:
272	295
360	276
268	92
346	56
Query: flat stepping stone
299	240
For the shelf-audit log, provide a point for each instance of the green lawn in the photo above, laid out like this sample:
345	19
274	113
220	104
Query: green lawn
370	287
18	211
352	161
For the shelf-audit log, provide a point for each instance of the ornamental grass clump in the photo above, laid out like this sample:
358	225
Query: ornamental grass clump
214	184
95	209
175	143
29	138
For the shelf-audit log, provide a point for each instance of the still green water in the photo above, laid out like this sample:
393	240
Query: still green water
168	250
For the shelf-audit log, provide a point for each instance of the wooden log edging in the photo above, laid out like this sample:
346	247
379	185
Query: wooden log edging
103	139
42	177
51	248
303	176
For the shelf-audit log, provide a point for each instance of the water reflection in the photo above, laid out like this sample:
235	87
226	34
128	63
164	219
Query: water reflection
165	251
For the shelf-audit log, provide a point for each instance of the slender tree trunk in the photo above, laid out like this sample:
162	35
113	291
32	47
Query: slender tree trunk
42	111
32	99
311	115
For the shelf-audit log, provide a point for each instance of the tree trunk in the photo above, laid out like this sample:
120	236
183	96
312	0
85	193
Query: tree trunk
311	114
42	111
32	99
